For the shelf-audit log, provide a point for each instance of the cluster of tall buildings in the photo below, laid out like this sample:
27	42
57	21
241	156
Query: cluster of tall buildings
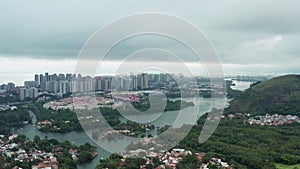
65	83
8	87
31	92
61	84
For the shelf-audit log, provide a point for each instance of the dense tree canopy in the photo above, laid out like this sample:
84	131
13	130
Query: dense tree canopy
280	95
13	118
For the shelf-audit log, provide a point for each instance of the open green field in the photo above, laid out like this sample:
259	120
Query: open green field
283	166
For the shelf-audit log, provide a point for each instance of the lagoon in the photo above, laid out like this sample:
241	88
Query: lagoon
78	138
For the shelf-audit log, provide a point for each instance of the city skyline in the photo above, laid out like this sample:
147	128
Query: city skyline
60	84
31	77
264	42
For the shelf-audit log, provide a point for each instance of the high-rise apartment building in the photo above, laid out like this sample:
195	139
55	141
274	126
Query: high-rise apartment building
33	92
10	86
37	80
145	80
23	93
28	84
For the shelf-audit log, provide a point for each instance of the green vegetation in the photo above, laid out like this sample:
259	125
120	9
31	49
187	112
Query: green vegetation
230	92
87	152
114	162
111	116
144	104
248	146
242	145
111	162
279	95
188	162
8	99
254	146
135	129
177	105
283	166
64	120
13	119
84	153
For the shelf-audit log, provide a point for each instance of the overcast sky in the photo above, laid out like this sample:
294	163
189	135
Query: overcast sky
257	36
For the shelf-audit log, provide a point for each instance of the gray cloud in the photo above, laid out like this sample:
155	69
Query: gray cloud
242	32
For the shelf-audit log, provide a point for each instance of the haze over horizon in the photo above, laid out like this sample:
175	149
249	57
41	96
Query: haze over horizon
250	37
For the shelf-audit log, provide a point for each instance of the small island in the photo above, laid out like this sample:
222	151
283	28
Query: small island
60	121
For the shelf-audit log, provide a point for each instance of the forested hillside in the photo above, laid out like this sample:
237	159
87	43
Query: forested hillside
280	95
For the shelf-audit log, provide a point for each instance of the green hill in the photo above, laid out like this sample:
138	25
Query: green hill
279	95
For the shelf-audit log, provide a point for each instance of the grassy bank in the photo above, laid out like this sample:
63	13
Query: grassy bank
283	166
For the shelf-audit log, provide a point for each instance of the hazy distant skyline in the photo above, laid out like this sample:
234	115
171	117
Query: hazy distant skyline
250	37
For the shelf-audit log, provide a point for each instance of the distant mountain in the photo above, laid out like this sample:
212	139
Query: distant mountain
279	95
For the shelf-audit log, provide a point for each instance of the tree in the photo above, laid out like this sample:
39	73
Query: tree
21	138
188	161
213	166
134	163
111	163
36	139
85	157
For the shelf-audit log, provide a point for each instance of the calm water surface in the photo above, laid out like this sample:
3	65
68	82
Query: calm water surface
78	138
